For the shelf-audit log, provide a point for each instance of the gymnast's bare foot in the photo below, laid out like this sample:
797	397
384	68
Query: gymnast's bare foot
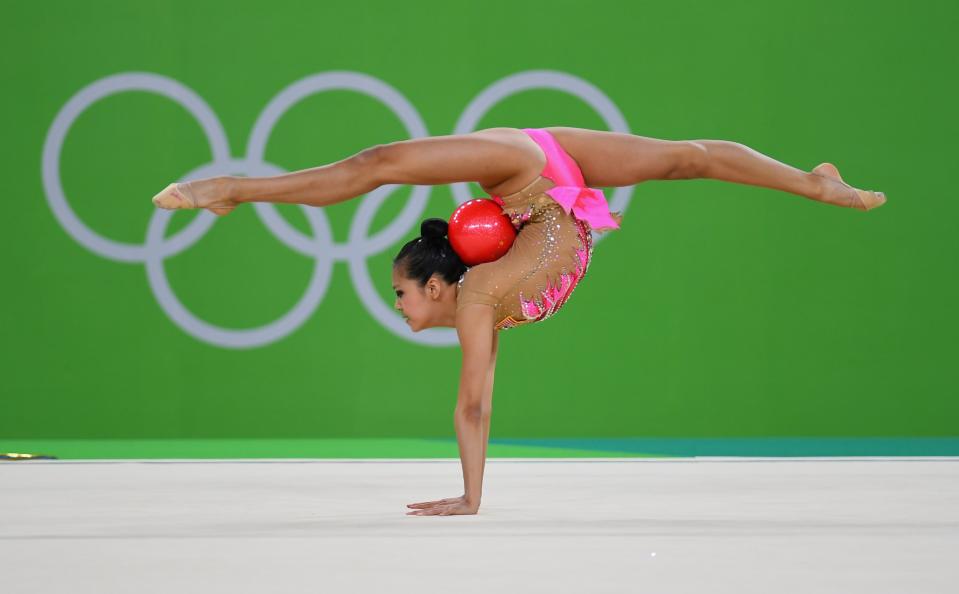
836	191
211	193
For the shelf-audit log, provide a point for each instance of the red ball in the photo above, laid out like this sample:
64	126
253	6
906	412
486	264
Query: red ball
480	231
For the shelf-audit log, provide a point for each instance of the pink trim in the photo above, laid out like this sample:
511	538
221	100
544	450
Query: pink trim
552	298
570	191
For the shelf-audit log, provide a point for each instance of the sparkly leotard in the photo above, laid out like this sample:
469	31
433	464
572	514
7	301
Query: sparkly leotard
553	216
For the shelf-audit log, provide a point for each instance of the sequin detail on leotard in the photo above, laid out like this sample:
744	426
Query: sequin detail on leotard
548	258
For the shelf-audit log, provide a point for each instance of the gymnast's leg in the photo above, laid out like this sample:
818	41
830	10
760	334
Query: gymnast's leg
738	163
317	186
605	158
619	159
481	156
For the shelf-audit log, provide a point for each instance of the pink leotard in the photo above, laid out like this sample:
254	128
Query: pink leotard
553	215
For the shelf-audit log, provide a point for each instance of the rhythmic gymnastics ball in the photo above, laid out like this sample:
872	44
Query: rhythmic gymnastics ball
479	231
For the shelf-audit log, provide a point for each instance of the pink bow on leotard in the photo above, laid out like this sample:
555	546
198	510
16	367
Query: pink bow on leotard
570	191
588	204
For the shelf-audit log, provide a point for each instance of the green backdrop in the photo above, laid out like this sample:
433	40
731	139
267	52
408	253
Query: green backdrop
718	311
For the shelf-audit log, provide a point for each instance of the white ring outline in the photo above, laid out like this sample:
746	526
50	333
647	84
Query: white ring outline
321	247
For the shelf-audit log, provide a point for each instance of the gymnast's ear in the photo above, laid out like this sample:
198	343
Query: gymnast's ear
434	286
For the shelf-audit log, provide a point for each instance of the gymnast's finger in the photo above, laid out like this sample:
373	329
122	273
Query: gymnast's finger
429	503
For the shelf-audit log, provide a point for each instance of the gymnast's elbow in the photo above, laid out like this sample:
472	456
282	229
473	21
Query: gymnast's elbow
471	409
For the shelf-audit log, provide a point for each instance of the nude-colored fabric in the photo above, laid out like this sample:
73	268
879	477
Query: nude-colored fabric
548	258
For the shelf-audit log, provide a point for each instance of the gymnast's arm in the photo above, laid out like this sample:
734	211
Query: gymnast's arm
474	326
487	408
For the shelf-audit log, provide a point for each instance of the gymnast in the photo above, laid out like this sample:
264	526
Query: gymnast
544	179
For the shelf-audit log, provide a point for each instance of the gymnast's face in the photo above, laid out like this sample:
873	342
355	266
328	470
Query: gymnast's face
433	304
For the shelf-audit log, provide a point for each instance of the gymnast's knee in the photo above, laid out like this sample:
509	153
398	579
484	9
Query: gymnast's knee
692	160
369	163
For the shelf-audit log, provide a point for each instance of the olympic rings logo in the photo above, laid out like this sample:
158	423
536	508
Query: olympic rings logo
320	246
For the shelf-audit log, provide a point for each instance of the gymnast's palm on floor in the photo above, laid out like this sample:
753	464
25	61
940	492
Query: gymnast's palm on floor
451	506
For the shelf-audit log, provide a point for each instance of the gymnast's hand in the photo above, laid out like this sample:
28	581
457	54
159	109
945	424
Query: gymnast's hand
452	506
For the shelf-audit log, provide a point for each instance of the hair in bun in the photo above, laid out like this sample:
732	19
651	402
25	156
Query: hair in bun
421	259
434	228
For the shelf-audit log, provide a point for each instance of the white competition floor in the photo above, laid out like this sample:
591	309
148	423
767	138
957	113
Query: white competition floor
690	525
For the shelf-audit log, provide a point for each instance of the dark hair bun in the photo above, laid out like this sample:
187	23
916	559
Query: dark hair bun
434	228
431	253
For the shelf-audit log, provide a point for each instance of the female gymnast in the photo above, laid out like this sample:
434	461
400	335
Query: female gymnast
544	179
